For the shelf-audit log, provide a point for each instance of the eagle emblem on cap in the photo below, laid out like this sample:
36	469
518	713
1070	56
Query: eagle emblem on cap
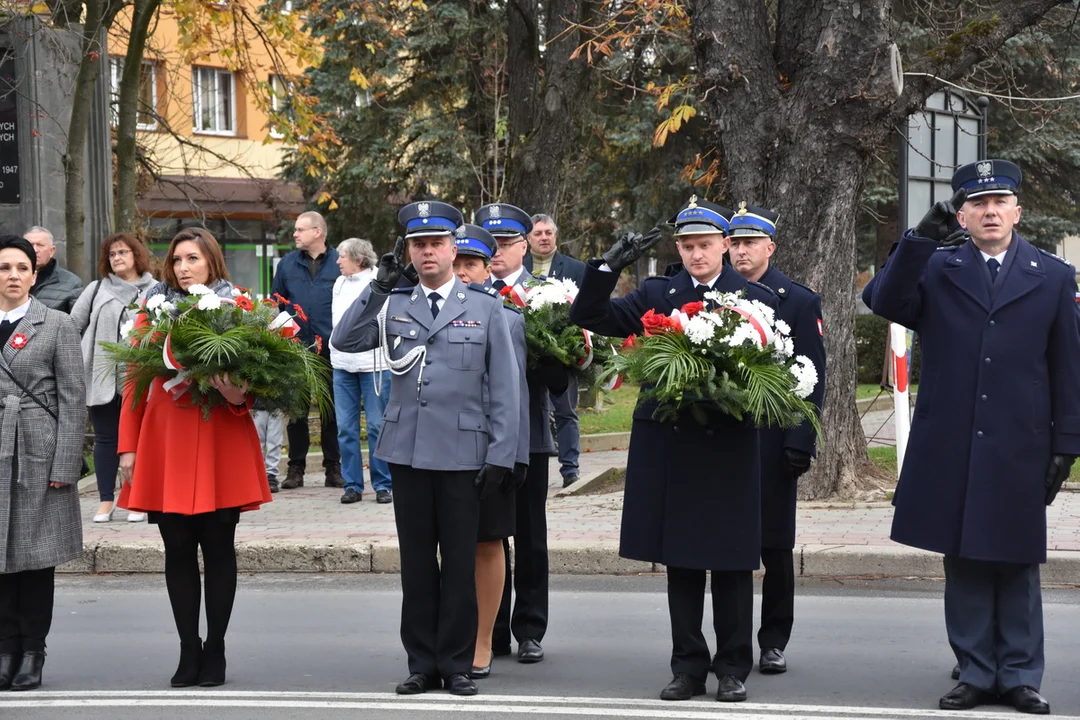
742	208
496	212
423	210
460	232
985	169
693	202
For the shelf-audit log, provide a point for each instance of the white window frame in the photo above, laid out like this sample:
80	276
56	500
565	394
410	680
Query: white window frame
276	102
116	71
224	123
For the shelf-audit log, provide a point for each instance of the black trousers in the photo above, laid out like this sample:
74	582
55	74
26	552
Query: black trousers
529	618
299	434
437	515
733	622
183	535
106	421
777	598
26	610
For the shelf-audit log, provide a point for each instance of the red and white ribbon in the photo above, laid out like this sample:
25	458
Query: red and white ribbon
517	295
285	323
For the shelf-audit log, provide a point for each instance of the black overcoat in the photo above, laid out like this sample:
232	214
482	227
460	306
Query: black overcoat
693	493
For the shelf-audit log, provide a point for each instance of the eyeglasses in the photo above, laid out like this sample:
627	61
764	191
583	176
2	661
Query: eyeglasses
119	254
512	243
304	229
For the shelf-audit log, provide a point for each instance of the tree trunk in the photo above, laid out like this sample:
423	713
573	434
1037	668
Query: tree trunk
128	108
546	101
75	156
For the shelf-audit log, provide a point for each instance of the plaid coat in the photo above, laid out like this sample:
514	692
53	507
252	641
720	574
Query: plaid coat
40	526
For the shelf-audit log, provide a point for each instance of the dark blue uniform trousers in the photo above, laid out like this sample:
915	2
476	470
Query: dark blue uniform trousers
993	614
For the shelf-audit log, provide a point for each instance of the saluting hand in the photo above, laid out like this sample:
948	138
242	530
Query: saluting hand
939	223
1060	466
391	267
628	248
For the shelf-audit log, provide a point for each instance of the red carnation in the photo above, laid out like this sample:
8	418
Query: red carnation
693	308
243	302
300	312
506	290
629	342
318	344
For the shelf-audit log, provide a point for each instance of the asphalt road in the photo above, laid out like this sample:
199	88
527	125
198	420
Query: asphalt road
326	646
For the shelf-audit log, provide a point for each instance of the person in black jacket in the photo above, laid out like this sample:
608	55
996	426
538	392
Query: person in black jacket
693	493
785	454
55	287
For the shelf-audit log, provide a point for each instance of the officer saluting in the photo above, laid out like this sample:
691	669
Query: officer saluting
692	499
997	422
785	454
442	338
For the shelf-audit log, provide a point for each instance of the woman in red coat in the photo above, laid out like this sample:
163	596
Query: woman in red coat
193	477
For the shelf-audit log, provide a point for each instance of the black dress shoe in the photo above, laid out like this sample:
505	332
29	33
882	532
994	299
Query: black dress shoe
273	483
9	662
351	496
682	687
418	683
731	689
28	675
460	684
964	697
772	662
187	671
1027	700
529	651
384	497
956	672
212	665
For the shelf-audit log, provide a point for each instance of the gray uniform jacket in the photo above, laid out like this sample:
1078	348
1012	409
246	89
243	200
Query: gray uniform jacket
40	526
436	421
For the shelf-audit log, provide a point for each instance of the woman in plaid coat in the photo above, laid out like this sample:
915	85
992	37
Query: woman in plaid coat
41	437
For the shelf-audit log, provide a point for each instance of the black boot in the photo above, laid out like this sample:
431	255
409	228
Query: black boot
28	675
9	662
187	672
212	670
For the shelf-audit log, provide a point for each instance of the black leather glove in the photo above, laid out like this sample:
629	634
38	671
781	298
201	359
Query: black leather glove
629	248
391	266
515	479
940	221
410	275
550	374
796	461
1060	465
958	237
489	479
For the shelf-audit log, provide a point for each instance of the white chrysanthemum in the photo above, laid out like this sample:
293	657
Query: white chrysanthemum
699	330
154	302
806	377
548	293
166	307
723	299
789	347
743	333
763	310
209	302
199	289
236	292
780	347
568	286
126	328
782	326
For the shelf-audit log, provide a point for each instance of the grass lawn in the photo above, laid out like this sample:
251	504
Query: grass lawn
885	458
866	392
616	415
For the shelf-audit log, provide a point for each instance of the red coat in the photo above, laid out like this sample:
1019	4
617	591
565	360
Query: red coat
187	465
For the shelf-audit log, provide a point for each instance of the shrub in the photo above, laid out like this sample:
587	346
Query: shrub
870	343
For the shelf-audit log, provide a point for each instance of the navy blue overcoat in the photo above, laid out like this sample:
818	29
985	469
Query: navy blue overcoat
999	392
693	491
800	308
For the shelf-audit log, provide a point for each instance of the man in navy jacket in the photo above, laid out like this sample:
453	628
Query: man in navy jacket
997	422
305	277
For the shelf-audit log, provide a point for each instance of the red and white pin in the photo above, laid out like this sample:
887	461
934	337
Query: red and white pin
19	341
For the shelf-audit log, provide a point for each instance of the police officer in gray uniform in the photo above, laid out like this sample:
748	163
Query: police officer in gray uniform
442	338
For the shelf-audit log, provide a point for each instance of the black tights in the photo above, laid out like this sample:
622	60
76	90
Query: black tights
183	535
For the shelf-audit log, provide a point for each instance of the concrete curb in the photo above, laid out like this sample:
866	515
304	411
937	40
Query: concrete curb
587	481
566	558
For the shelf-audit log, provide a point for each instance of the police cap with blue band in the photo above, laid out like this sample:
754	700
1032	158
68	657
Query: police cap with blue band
988	177
753	221
503	220
701	217
429	217
475	241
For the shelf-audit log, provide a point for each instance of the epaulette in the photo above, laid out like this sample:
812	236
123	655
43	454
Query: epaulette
804	287
402	289
947	247
766	288
1056	257
480	288
513	308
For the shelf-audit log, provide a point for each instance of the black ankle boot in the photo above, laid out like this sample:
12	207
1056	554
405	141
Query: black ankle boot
28	676
9	662
187	672
212	672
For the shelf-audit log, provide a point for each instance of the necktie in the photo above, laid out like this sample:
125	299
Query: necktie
994	266
498	284
701	290
434	298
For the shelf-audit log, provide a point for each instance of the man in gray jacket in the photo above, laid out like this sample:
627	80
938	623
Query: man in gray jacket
441	337
55	287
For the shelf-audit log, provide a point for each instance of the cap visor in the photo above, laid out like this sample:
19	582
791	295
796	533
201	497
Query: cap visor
749	232
991	191
469	252
427	232
698	229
